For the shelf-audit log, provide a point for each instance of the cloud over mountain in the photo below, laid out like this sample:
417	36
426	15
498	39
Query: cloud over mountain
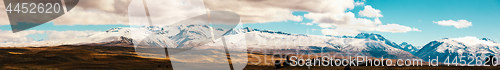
24	38
369	11
457	24
329	14
395	28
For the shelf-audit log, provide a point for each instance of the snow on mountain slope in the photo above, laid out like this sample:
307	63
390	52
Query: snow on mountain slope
377	37
97	37
265	39
464	46
408	47
189	36
166	36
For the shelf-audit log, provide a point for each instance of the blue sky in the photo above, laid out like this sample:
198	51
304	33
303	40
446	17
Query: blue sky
484	16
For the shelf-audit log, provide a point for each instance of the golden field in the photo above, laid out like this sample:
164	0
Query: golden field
124	58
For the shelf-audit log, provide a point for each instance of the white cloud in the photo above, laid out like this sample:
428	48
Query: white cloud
252	11
22	37
457	24
377	21
171	11
346	21
360	3
90	12
370	12
340	24
322	25
17	37
326	13
166	12
87	12
329	18
395	28
80	16
58	35
102	12
306	23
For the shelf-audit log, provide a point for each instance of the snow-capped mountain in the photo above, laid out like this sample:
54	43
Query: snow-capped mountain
363	44
464	46
408	47
487	39
179	36
189	36
377	37
96	37
165	36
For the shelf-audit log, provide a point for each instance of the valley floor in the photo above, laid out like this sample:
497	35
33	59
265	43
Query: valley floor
125	58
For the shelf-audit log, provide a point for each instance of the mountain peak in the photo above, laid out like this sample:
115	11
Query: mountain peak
247	29
408	47
470	40
114	29
404	43
339	36
487	39
461	46
446	38
371	36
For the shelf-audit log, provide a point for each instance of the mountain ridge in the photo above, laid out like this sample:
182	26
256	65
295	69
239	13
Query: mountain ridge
267	39
190	36
463	46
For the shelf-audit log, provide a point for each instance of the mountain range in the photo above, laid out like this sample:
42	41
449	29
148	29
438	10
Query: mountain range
377	37
454	47
195	35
